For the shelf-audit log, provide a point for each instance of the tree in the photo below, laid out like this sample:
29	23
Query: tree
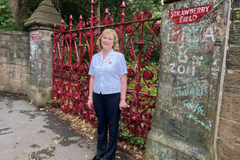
5	16
83	7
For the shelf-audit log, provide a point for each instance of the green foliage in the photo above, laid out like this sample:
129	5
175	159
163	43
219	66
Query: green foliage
125	134
5	15
153	90
49	101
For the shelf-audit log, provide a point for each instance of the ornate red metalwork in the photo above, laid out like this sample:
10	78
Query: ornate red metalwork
72	53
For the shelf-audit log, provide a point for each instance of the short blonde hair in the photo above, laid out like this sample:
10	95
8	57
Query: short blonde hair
106	32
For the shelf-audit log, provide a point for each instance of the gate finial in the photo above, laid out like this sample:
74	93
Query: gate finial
123	5
106	11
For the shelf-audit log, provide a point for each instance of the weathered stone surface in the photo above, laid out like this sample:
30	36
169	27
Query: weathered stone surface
45	15
234	33
4	38
25	39
3	59
232	82
231	107
190	68
236	4
4	52
24	69
22	91
15	38
14	61
15	33
229	130
6	80
235	15
160	151
41	66
15	76
23	62
233	58
228	150
15	83
4	44
12	89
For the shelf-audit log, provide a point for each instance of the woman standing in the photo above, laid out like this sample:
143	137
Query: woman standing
107	91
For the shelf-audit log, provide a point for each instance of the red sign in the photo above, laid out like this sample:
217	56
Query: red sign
189	15
34	36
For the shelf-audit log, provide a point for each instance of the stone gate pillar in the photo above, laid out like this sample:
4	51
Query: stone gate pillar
40	25
192	40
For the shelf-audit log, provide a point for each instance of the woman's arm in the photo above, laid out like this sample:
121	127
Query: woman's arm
123	91
90	92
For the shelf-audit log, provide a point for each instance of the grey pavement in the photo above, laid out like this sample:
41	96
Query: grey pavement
26	133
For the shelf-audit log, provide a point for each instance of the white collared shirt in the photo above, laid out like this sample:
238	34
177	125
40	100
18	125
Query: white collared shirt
107	73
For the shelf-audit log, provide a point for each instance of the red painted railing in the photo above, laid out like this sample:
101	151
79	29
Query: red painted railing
72	53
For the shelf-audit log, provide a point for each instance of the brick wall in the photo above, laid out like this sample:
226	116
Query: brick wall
229	129
14	61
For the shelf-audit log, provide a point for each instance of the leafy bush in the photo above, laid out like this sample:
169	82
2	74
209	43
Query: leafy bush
131	138
5	15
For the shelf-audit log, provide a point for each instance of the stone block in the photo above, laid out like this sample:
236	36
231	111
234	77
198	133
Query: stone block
236	4
231	107
24	84
4	44
16	76
234	33
8	68
24	69
4	80
12	61
15	83
23	62
232	81
14	68
12	89
25	77
23	51
3	32
2	87
13	50
4	52
229	130
3	67
25	39
22	91
4	38
228	150
14	38
20	33
3	59
233	58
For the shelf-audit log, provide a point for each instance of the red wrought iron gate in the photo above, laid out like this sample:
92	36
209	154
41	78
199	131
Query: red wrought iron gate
72	53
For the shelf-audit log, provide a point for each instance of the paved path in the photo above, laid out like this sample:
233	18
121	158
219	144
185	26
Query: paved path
25	131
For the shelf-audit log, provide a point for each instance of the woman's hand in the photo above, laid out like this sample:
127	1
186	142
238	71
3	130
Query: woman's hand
122	104
90	102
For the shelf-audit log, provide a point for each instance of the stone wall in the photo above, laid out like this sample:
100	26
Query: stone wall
14	61
184	122
228	143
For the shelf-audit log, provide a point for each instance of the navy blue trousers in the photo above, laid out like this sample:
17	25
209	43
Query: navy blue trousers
108	113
